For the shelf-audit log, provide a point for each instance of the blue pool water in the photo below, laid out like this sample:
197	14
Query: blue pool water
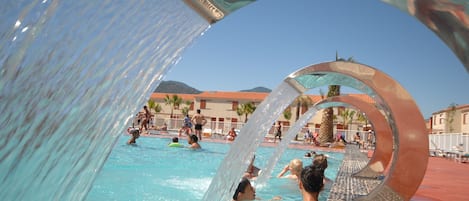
152	171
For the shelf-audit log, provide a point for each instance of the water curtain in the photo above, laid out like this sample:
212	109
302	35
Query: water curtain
237	159
72	75
288	137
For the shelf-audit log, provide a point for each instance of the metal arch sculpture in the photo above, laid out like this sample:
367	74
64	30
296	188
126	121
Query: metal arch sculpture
384	141
405	119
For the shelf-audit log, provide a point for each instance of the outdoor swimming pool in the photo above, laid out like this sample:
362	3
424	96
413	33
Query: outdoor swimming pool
153	171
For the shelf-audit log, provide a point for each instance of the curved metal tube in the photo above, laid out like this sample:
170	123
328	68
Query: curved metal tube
215	10
448	19
404	117
384	141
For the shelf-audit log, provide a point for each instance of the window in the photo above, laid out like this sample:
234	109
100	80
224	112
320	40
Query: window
191	107
203	104
234	105
464	119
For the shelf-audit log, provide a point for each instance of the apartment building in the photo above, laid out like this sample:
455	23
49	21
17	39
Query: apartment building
454	119
220	109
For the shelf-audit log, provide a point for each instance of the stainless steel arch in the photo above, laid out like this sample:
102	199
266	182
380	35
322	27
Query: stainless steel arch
384	141
404	117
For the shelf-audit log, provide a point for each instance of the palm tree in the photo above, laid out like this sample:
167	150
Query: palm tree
287	113
151	104
362	118
246	109
174	101
303	101
450	119
327	121
347	117
185	109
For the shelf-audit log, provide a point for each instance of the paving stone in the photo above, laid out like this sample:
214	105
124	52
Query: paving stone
345	186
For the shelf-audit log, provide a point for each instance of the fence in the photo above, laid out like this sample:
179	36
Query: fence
444	141
447	141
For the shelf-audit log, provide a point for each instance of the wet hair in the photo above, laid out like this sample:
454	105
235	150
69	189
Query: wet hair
194	138
296	165
320	161
241	187
135	133
175	139
312	179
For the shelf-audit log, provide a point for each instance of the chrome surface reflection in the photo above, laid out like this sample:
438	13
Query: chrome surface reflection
384	141
448	19
404	118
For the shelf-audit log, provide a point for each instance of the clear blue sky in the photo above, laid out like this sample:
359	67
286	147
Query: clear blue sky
262	43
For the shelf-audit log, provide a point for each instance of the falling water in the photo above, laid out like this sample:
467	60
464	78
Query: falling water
72	74
291	133
251	135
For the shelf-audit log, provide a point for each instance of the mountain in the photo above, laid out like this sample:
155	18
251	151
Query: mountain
257	89
175	87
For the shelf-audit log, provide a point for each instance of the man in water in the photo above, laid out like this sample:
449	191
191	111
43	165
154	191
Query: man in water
245	191
194	142
134	135
199	121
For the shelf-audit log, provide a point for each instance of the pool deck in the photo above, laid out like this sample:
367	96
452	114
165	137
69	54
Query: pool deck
444	179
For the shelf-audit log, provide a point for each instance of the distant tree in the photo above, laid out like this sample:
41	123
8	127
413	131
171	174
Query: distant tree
347	117
302	101
362	118
186	108
246	109
174	101
327	122
151	104
287	113
450	119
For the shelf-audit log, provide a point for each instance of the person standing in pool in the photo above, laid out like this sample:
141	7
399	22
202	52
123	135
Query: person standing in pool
199	121
193	142
145	119
134	135
294	167
244	191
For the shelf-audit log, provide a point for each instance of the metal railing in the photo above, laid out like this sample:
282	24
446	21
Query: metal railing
445	141
448	141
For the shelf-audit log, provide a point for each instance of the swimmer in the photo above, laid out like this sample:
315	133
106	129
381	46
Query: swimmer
194	142
244	191
175	143
295	166
135	134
